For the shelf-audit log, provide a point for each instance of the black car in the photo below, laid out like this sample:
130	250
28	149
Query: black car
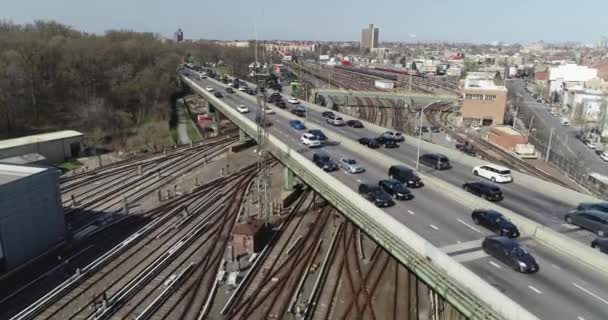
354	123
424	129
387	143
274	98
263	122
218	94
467	149
435	129
405	175
299	111
509	252
371	143
601	244
374	194
436	161
395	189
229	90
328	114
324	161
318	133
599	206
496	222
484	189
281	104
592	220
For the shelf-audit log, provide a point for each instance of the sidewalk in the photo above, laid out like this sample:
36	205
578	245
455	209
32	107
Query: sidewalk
182	123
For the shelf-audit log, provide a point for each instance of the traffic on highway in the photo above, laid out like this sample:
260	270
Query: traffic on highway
481	239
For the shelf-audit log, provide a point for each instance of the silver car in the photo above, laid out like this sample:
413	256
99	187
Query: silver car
351	165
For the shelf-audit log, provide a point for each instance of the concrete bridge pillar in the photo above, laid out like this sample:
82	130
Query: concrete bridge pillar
243	137
289	179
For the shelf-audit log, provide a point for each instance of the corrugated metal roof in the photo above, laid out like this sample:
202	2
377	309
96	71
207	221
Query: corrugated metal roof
9	172
37	138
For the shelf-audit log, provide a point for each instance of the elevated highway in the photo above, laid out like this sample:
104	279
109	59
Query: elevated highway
423	232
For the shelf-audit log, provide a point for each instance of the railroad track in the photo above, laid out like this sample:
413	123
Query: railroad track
164	247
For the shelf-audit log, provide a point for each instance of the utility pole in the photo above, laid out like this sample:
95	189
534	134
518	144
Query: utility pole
530	125
549	145
515	116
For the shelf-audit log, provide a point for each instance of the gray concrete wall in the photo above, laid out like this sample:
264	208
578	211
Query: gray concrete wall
55	151
31	218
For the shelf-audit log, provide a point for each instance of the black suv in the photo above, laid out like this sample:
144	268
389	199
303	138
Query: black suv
510	253
395	189
405	175
484	189
354	123
229	90
599	206
374	194
275	97
387	143
299	111
436	161
318	133
218	94
601	244
496	222
324	162
372	143
328	114
592	220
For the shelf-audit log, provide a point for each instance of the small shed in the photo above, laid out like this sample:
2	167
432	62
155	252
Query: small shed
54	146
248	237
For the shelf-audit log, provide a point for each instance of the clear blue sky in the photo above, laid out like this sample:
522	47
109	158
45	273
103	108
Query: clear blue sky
450	20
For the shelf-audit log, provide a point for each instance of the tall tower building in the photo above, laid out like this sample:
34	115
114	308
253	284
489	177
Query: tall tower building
603	42
179	35
369	37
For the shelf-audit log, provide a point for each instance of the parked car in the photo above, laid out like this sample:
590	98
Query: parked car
351	165
218	94
297	124
387	143
299	111
393	135
509	252
601	244
335	121
495	222
242	108
590	145
229	90
293	101
436	161
370	142
486	190
467	149
327	114
354	123
375	195
592	220
324	161
395	189
310	140
405	175
318	133
209	88
599	206
493	173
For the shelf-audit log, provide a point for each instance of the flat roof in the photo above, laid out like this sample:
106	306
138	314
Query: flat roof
508	130
10	172
37	138
482	84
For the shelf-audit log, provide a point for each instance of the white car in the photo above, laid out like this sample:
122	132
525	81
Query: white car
350	165
242	88
268	110
203	76
590	145
310	140
493	173
293	101
209	88
475	127
242	108
604	156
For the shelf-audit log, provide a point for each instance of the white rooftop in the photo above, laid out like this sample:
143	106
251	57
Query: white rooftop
572	73
482	83
37	138
10	172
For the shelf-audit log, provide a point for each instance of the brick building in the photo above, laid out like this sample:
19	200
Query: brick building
484	103
248	237
507	137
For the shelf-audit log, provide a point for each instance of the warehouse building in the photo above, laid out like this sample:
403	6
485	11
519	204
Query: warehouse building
54	146
31	216
484	103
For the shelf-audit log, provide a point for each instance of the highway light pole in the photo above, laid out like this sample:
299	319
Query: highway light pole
420	133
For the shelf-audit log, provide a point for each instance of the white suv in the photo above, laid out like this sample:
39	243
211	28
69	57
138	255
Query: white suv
335	120
310	140
493	173
397	136
209	88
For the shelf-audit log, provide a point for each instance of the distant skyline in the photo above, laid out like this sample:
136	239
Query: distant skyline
475	21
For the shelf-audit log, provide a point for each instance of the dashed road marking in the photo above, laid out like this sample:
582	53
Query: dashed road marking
589	292
433	227
359	180
535	290
580	318
410	212
556	267
468	225
495	264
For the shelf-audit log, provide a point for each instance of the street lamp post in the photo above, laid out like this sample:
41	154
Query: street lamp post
420	134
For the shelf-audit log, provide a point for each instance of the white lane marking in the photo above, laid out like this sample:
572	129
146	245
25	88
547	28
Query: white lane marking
495	264
434	226
468	225
535	290
556	267
359	180
589	292
580	318
410	212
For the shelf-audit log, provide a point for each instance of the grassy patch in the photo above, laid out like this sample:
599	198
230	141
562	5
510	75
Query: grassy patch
193	133
70	165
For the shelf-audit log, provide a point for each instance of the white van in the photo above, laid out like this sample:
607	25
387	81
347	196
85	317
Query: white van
565	122
493	173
